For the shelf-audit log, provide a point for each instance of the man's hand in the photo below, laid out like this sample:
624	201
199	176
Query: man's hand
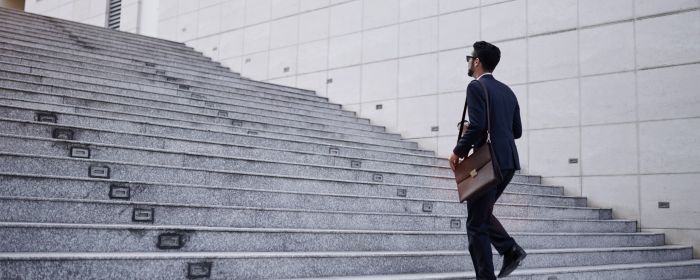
454	161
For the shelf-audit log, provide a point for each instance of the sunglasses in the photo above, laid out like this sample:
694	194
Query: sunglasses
469	57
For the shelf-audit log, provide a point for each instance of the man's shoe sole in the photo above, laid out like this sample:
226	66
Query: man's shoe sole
512	267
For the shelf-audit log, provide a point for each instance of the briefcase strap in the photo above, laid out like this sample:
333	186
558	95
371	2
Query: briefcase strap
488	115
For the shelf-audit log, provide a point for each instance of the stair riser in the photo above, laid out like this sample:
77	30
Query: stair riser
179	71
241	269
98	189
29	58
318	267
175	102
92	32
96	46
226	94
27	239
194	112
178	96
53	34
404	166
155	193
176	48
155	139
58	148
207	119
137	140
187	66
213	162
197	131
31	18
121	212
158	174
647	273
150	87
138	69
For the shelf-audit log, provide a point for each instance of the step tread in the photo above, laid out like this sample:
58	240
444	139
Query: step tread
519	272
69	178
329	254
292	230
232	207
214	156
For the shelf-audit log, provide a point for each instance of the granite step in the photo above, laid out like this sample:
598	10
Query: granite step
28	76
363	159
212	162
133	109
173	109
98	188
312	264
254	195
92	31
156	140
179	99
637	271
110	33
210	132
57	32
21	42
159	173
223	74
181	72
96	31
91	47
211	119
51	237
30	56
11	57
67	39
179	114
226	146
157	87
64	210
514	203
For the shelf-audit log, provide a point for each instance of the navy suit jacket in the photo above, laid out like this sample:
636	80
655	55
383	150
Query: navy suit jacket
505	122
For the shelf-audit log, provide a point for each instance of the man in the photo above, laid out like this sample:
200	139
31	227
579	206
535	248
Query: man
483	229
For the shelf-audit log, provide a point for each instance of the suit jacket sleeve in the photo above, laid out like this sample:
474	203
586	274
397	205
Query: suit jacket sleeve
476	105
517	125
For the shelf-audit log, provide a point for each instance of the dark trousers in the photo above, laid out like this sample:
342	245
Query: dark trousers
483	229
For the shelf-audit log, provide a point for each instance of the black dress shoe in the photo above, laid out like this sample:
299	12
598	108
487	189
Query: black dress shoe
511	260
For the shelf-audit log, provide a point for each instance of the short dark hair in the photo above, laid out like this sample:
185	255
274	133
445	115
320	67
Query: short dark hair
488	54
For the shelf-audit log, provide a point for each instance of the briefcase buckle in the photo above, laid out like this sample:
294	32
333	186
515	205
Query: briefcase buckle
473	173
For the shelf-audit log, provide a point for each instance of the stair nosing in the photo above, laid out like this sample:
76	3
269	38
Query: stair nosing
267	209
26	155
174	119
316	254
142	78
49	225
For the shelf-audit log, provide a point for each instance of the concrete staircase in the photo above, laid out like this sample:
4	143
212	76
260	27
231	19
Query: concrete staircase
128	157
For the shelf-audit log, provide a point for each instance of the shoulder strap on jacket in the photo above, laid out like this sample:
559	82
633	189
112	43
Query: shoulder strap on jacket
488	112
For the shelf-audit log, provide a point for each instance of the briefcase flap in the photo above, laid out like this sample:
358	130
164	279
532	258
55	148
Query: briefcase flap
470	166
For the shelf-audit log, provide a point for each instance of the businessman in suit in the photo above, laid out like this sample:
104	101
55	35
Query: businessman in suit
483	229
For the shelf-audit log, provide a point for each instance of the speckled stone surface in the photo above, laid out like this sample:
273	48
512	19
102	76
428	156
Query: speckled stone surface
143	238
183	113
225	146
58	166
92	211
246	266
248	196
214	131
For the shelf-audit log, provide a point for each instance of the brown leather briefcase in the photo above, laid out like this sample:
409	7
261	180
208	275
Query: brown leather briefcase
478	172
